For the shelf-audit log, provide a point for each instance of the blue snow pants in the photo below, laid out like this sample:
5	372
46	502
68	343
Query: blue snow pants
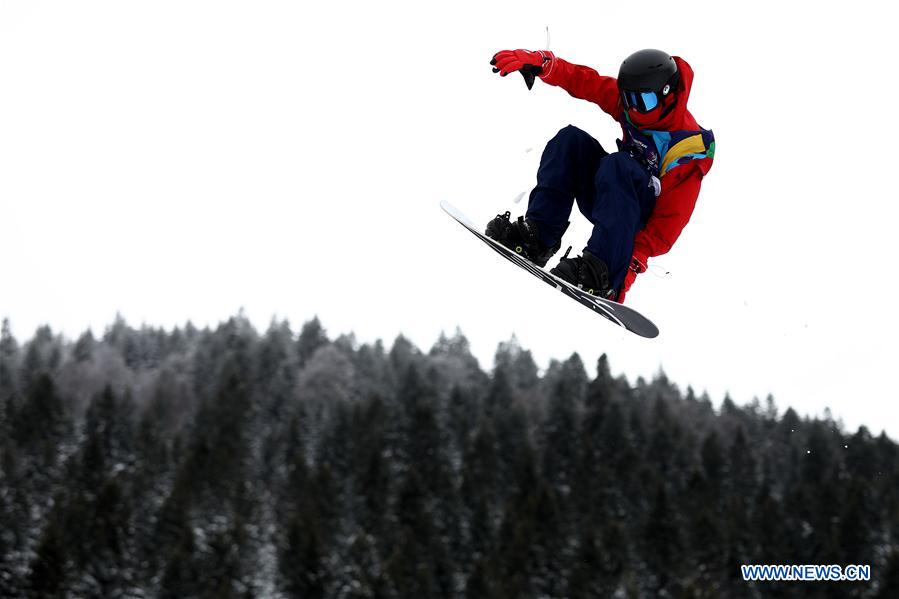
613	191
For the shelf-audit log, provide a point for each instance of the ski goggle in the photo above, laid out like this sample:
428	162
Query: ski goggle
642	101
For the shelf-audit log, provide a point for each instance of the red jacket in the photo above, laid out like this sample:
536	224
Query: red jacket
680	185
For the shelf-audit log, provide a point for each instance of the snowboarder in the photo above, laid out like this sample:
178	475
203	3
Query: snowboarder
638	198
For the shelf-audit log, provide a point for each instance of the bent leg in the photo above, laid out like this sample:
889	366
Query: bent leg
624	201
567	170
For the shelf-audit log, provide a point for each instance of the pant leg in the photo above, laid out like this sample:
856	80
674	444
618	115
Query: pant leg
624	201
567	170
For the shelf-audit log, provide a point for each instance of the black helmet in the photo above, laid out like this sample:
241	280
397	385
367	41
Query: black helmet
645	78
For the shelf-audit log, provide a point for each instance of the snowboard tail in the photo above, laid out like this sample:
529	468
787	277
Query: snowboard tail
620	314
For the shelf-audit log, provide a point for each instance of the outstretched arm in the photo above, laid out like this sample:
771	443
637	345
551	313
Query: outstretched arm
583	83
579	81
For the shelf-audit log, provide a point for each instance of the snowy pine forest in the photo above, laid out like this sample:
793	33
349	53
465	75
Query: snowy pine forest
231	462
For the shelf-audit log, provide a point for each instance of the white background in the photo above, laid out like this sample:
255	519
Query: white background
181	160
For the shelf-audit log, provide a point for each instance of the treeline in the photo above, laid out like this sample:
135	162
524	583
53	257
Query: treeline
233	463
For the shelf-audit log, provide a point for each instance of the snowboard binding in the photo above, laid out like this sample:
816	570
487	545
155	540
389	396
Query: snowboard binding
521	237
585	272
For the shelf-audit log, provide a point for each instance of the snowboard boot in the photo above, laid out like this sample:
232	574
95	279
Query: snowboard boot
521	237
585	272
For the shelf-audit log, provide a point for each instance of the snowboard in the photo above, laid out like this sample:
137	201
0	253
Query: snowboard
620	314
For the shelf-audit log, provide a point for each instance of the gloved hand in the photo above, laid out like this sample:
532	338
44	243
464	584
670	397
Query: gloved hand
638	264
528	63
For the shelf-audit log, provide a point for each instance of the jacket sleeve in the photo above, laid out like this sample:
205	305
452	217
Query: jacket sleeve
583	83
672	211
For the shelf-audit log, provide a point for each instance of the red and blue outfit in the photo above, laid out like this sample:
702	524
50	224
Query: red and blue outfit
639	198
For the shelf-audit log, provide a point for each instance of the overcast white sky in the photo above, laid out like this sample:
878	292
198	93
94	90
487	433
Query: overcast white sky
181	160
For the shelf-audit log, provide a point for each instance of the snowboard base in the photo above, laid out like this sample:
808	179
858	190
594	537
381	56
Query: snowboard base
620	314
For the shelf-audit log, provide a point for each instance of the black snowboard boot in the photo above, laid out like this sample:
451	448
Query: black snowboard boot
521	237
586	272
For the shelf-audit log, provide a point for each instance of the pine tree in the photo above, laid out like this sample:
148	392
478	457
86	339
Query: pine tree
49	570
480	490
368	474
593	471
173	533
417	567
451	360
403	354
104	551
42	355
183	574
275	366
84	347
713	459
371	469
662	539
41	425
517	366
9	364
561	441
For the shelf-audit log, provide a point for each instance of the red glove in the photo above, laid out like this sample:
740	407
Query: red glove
529	63
637	265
